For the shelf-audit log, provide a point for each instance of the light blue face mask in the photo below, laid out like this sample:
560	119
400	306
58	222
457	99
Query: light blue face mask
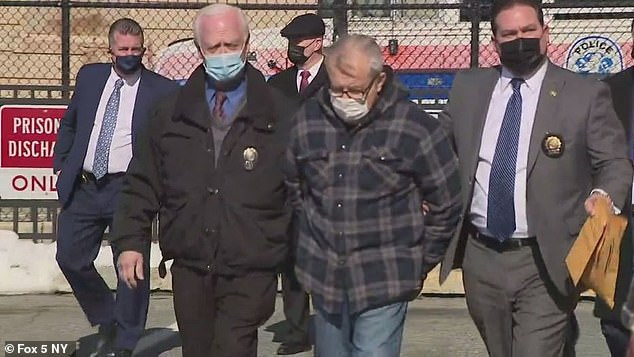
225	66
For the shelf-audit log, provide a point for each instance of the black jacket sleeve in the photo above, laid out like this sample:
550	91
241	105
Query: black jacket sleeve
68	125
140	197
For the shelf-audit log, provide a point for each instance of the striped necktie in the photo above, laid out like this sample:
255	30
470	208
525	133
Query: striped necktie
501	205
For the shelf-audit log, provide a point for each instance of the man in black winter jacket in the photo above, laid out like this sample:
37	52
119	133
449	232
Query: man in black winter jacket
211	168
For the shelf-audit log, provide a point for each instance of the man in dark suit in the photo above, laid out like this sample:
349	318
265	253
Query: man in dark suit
538	146
303	80
305	34
95	143
616	334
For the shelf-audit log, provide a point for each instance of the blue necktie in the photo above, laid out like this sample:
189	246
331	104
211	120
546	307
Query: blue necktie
501	206
100	165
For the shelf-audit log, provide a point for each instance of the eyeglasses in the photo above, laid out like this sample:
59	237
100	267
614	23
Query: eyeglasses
358	95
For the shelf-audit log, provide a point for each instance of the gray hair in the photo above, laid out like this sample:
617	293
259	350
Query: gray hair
217	9
365	44
124	26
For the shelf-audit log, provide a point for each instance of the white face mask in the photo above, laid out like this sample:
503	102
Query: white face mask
349	110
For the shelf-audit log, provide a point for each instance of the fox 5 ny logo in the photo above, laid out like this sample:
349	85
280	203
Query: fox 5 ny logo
39	348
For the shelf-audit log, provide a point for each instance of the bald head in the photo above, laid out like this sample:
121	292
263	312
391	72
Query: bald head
220	22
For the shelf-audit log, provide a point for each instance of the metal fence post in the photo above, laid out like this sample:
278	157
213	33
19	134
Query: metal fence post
340	19
65	8
475	10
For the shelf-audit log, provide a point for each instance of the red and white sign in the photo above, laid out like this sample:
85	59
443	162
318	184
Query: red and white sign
27	143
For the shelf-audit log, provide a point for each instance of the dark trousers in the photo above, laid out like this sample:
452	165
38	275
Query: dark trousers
296	306
513	303
81	228
219	316
616	336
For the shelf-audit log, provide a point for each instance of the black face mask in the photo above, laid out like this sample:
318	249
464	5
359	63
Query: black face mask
128	64
296	54
521	56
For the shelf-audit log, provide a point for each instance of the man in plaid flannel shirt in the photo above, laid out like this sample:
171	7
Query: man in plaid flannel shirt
361	160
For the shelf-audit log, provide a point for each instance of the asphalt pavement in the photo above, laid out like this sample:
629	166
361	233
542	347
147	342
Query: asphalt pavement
436	326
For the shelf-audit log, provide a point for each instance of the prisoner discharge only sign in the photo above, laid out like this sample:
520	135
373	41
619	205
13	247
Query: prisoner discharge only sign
27	143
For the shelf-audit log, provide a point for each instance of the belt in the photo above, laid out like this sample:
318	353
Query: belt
508	244
86	177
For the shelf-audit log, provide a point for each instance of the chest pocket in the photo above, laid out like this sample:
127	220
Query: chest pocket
316	168
380	170
179	141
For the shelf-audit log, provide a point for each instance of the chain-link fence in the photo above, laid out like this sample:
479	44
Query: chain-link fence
44	43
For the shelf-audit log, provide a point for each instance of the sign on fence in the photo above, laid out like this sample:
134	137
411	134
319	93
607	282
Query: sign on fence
27	142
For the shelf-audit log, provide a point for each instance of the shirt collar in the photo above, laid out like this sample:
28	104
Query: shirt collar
129	80
314	69
533	83
233	95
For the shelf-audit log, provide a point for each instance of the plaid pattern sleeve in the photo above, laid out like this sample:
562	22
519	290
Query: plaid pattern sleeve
440	190
362	236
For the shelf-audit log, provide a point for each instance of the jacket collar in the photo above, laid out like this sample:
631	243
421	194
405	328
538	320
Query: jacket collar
192	101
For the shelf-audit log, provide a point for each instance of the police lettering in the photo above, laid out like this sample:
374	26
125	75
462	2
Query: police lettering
596	44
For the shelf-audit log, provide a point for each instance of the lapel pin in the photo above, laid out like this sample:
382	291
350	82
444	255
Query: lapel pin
553	93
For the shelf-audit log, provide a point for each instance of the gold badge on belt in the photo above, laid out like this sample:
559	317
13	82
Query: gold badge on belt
553	145
250	156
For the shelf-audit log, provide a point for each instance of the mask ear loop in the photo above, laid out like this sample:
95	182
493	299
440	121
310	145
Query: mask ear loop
199	50
310	44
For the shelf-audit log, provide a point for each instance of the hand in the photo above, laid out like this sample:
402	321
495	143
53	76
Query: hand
130	267
591	202
630	347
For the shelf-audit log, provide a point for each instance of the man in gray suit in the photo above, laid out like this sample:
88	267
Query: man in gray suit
538	145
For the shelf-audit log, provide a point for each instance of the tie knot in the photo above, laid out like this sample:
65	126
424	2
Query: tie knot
118	84
516	83
305	75
221	97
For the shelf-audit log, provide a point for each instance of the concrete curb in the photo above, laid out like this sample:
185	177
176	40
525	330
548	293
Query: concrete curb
28	267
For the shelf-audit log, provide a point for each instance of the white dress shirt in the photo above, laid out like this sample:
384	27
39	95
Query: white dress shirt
313	72
121	145
501	94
